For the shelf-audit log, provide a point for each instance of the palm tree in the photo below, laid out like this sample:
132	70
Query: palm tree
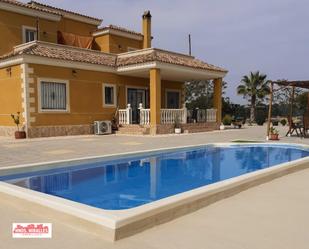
253	87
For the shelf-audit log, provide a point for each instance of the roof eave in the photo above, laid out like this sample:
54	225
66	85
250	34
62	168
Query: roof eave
29	12
83	19
69	14
185	72
41	60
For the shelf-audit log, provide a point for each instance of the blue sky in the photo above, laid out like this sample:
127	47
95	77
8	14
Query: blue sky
241	35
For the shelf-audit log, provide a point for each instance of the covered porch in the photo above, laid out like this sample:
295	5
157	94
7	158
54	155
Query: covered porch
159	113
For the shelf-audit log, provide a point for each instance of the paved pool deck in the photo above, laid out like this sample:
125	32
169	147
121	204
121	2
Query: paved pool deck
272	215
13	152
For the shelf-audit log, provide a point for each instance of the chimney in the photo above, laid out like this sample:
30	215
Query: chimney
147	29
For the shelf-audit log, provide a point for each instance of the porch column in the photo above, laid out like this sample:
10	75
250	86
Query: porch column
155	99
217	101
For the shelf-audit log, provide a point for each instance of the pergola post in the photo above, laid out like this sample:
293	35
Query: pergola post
270	109
291	110
155	99
307	104
217	101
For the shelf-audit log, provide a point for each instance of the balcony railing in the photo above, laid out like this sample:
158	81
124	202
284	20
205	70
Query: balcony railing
144	115
125	115
169	116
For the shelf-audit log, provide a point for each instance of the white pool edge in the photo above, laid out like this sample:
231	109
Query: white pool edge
117	224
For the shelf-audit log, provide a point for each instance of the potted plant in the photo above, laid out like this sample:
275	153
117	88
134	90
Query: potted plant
222	127
227	120
114	123
177	125
274	134
19	134
283	122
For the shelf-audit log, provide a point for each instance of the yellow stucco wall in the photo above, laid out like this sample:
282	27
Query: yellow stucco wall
101	43
218	99
147	32
86	94
11	29
10	95
116	44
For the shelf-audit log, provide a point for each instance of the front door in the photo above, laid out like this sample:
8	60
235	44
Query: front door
135	96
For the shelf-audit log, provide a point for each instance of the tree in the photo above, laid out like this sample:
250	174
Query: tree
301	102
282	100
199	93
253	87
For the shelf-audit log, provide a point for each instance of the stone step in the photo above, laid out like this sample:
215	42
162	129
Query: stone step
133	130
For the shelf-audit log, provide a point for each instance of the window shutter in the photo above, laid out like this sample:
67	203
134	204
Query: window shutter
53	96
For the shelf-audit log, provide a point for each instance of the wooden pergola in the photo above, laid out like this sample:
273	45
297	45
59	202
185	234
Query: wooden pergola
284	84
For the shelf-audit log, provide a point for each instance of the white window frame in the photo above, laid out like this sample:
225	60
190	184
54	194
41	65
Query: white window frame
173	90
135	87
67	90
115	95
24	28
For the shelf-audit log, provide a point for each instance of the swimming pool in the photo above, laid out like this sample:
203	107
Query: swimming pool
117	196
131	182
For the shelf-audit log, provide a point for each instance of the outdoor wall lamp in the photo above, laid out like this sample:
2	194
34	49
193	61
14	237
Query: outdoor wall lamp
9	71
74	72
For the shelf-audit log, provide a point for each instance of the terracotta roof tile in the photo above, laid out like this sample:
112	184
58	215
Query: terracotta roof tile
68	53
165	57
17	3
59	10
63	52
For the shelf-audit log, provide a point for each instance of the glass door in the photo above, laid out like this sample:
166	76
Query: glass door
135	96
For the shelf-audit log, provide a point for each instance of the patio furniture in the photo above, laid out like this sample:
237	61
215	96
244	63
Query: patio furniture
237	122
295	127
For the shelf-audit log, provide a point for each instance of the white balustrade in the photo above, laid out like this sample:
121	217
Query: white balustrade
125	115
168	116
144	115
211	115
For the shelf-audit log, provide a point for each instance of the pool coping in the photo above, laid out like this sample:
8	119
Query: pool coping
117	224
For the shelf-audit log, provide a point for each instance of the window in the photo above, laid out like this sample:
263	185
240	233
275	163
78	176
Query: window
29	34
172	99
109	95
53	95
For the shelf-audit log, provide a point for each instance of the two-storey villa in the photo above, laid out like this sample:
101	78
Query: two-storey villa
62	72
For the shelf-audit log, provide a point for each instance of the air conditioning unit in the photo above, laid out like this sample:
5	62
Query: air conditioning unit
102	127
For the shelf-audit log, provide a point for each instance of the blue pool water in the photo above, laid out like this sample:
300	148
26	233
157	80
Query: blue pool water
132	182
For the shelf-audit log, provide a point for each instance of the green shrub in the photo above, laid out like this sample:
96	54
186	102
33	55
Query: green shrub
260	117
227	120
283	122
